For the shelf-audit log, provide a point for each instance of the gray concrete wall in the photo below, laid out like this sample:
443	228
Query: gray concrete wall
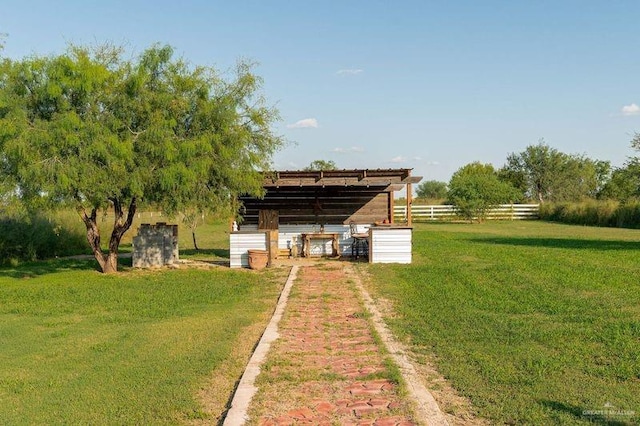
155	245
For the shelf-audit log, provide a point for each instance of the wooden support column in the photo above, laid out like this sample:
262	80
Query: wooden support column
391	201
409	202
268	219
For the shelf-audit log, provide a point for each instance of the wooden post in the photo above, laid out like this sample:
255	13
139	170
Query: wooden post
390	203
409	202
268	219
272	236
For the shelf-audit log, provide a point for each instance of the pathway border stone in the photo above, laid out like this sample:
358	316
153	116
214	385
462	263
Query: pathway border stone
427	409
237	414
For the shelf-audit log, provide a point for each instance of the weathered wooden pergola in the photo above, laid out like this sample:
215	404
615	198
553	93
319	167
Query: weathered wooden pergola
363	196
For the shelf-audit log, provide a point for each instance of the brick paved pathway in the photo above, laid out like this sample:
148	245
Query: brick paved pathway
326	367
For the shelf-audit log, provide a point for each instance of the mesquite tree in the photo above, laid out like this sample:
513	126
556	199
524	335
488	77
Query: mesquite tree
94	130
543	173
475	188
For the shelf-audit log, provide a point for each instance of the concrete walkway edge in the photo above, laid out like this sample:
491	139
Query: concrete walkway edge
427	408
237	414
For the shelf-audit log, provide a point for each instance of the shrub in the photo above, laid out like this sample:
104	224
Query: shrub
628	215
593	213
476	188
26	237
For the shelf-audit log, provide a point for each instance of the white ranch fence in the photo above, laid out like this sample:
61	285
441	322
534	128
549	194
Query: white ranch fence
447	212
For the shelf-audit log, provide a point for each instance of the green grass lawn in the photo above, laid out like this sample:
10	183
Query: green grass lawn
536	323
79	347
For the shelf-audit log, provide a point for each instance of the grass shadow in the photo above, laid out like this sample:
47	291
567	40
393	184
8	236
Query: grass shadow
219	253
46	267
86	262
596	416
562	243
52	266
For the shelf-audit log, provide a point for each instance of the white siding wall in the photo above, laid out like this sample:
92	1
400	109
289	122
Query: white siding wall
393	245
290	234
241	242
390	245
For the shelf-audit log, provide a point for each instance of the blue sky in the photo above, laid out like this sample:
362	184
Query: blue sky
379	84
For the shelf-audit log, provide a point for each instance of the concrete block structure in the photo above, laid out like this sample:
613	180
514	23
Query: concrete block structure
155	245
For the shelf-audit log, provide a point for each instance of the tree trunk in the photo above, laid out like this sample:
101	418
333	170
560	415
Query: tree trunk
540	194
195	244
111	263
93	234
108	262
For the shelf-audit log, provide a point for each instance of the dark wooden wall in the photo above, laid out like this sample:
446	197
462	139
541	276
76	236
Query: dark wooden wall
317	205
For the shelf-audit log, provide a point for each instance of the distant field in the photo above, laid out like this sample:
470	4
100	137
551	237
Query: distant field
143	347
48	235
213	233
536	323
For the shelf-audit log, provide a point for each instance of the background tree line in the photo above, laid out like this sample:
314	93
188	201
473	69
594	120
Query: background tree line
539	174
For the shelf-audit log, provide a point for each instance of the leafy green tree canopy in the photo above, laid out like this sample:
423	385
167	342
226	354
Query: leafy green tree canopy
625	181
318	165
623	185
95	130
544	174
476	188
432	189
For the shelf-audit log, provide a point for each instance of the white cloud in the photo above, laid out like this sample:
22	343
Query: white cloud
352	71
398	159
347	150
304	123
632	109
433	163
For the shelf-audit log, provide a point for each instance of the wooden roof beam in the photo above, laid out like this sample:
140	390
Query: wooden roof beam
412	179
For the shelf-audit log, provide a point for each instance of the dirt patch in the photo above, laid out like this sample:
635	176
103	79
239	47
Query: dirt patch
456	408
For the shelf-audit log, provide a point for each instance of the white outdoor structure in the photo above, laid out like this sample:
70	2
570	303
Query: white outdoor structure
390	244
324	208
387	244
